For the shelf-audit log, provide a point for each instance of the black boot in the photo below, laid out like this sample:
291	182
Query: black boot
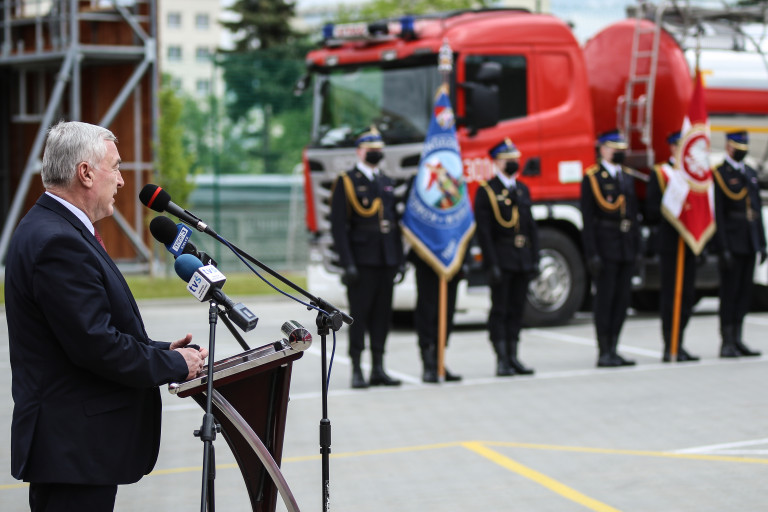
728	348
451	377
514	362
604	359
740	346
502	362
429	361
615	355
682	355
378	376
358	381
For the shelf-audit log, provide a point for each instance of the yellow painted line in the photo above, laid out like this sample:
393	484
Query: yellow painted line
13	486
735	127
636	453
540	478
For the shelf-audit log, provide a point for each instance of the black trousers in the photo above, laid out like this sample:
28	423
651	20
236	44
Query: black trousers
668	268
613	289
370	305
507	303
427	304
736	289
47	497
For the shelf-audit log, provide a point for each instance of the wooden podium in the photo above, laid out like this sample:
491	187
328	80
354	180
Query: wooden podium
250	401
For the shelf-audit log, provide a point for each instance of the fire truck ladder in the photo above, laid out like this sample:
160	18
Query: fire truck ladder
636	113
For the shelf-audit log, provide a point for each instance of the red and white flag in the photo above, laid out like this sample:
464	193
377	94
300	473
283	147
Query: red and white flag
688	201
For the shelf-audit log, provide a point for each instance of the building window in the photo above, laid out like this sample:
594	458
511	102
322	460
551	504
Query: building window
203	87
203	54
174	53
174	20
176	83
202	21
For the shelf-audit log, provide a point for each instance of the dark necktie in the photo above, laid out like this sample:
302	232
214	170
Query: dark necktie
98	239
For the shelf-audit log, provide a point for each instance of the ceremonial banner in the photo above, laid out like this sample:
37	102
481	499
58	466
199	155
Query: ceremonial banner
688	201
438	220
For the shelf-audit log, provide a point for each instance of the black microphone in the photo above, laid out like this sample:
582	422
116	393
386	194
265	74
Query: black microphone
175	237
205	282
159	200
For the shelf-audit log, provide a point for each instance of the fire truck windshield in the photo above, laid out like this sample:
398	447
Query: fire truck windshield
397	101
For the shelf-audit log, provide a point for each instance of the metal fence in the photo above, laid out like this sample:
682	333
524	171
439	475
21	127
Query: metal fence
261	214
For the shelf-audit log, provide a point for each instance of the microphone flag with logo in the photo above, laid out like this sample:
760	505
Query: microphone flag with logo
438	220
688	200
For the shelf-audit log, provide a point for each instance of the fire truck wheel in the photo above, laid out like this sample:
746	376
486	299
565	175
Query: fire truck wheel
559	290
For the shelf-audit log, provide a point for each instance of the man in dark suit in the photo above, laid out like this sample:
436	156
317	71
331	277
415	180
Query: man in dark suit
740	237
85	375
510	244
611	242
366	236
666	239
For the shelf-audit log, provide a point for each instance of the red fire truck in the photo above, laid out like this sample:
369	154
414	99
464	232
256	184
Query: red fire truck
518	75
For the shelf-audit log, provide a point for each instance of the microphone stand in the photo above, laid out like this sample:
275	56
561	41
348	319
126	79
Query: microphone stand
209	428
328	318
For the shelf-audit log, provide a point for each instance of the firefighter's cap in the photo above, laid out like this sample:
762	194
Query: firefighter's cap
673	138
738	139
504	150
370	139
613	139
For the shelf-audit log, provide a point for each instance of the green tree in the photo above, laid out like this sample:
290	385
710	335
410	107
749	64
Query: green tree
261	24
174	162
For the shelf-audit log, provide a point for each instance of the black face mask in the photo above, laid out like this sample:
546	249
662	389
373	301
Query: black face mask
511	167
739	154
618	157
373	157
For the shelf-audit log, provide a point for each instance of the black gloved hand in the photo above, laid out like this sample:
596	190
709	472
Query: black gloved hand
725	260
350	275
400	276
595	265
534	272
494	275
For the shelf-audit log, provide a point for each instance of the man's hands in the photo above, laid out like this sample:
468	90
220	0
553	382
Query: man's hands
350	275
193	356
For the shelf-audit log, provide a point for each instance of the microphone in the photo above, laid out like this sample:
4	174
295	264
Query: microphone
205	282
175	237
157	199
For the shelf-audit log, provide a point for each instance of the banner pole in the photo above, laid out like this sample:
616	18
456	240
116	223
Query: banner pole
675	334
442	327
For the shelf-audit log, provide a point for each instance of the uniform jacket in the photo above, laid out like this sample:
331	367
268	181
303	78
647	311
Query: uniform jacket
509	245
85	375
611	228
364	221
738	212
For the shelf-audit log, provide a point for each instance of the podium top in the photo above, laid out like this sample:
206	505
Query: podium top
296	340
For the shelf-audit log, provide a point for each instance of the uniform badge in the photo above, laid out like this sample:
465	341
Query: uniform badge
365	202
519	241
504	192
609	198
604	175
507	202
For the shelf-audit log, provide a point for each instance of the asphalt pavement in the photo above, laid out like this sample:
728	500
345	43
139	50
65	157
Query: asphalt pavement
654	437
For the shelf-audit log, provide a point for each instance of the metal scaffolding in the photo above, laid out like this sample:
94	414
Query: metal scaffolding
50	50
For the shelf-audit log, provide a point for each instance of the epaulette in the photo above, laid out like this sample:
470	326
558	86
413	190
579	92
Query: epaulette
592	169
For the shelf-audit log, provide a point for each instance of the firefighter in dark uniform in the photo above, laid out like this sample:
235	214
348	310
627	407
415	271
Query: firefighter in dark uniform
367	239
666	243
740	237
509	241
611	239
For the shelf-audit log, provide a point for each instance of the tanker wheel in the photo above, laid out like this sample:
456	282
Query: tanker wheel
558	292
